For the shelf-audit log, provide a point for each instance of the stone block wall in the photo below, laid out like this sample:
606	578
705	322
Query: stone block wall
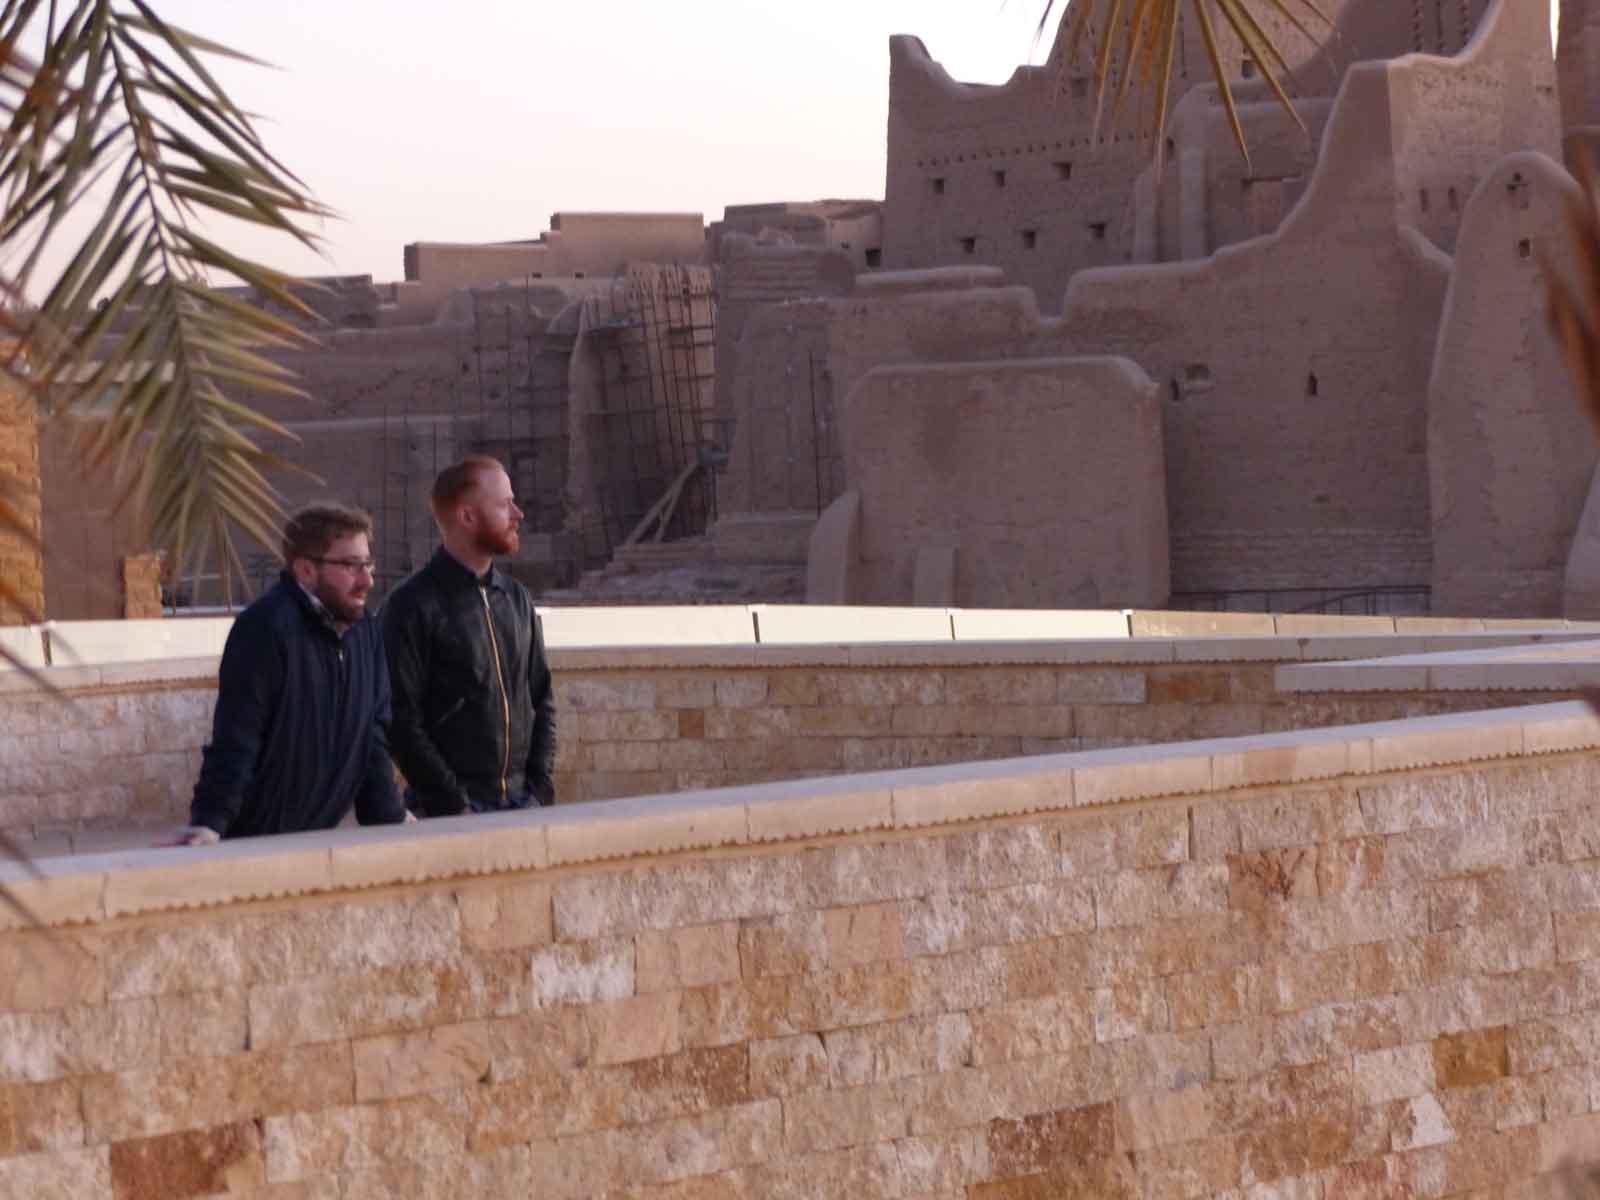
1376	985
126	754
21	566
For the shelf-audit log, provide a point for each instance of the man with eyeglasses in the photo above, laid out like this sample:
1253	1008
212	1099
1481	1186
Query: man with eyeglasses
299	736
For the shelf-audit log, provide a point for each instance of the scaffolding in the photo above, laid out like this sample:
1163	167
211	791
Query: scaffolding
652	434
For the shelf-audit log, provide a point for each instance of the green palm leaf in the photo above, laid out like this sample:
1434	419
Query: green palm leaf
130	333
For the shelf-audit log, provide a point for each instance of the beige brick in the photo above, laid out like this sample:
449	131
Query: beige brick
1139	897
1130	1009
1500	1104
940	1165
838	1118
333	1138
781	1066
447	1056
608	904
1313	926
1491	949
204	1024
201	1162
1215	997
389	1000
1033	1028
40	1046
1159	1062
505	916
791	944
1394	1074
881	688
40	970
863	934
637	1027
1272	876
194	1093
1577	936
40	1117
629	726
605	693
1163	1118
64	1175
671	1150
951	921
1294	1149
898	1049
665	960
657	1089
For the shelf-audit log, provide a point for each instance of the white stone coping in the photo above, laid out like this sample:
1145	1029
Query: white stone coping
1550	667
1146	651
95	643
25	643
99	887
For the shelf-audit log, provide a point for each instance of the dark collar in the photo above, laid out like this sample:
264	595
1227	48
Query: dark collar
314	611
449	570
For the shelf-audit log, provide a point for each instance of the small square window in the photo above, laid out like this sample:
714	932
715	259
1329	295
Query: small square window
999	179
874	257
1098	229
1247	69
1524	249
1063	171
1030	239
1080	87
969	245
938	185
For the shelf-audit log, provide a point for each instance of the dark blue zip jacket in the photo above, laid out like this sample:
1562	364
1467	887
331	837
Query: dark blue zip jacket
300	731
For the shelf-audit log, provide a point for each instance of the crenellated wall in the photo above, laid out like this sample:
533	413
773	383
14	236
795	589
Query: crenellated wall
1354	963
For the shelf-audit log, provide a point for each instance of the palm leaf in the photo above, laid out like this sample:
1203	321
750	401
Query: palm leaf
130	332
1134	43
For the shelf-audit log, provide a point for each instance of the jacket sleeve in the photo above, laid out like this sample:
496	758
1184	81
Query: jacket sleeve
438	790
378	802
249	689
540	769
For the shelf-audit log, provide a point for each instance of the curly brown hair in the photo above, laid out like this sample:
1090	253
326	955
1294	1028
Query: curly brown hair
309	531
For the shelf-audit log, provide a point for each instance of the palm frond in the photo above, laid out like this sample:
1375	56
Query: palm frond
1134	44
121	115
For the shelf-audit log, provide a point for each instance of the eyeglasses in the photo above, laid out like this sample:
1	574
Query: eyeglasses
368	565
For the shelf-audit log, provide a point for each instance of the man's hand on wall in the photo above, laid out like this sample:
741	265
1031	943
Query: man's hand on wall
194	835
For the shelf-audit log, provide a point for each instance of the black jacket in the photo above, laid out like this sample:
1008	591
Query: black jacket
298	736
474	717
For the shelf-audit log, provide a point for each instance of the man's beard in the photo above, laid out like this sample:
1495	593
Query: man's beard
502	541
341	606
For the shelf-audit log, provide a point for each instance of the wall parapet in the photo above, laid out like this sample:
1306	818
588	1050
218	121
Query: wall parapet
94	888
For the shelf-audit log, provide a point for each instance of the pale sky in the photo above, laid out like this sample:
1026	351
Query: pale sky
474	121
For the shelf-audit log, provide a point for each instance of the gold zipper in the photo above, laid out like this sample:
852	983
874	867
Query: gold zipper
505	700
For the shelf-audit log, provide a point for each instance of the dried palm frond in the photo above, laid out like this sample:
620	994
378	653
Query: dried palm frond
1137	40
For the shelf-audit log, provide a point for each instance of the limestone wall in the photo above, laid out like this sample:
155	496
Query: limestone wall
1196	973
655	719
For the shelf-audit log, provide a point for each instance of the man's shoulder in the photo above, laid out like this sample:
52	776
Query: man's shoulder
409	592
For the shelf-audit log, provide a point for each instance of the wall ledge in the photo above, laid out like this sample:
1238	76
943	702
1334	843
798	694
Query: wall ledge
93	888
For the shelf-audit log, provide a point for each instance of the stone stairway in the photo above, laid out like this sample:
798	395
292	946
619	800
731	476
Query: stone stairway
683	572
